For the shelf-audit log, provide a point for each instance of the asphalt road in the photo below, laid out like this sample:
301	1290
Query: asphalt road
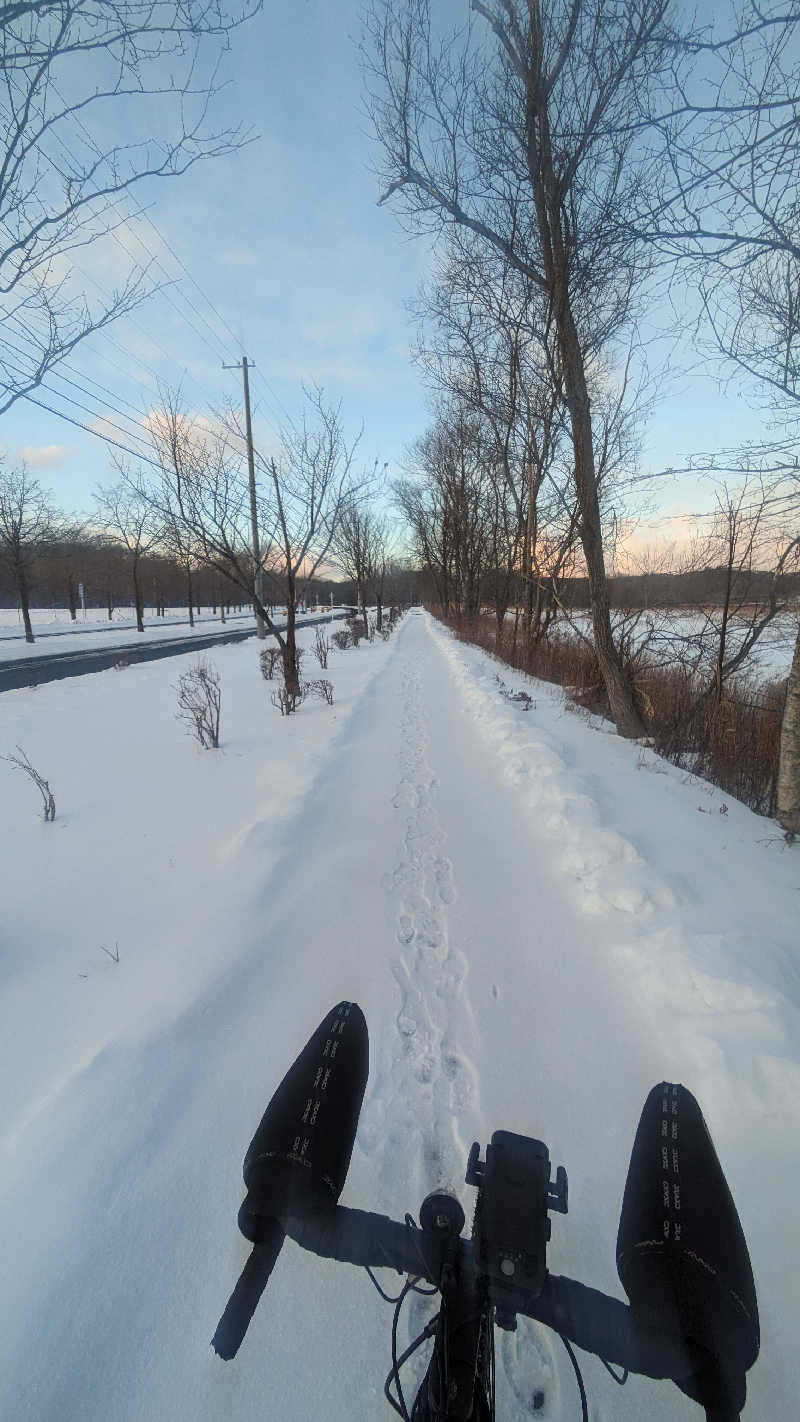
53	666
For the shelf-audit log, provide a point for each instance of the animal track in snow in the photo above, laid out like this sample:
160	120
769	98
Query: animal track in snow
429	1081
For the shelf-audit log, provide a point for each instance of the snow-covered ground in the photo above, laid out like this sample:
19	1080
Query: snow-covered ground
688	638
54	632
540	921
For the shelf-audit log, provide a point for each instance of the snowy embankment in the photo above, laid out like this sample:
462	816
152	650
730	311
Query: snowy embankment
539	920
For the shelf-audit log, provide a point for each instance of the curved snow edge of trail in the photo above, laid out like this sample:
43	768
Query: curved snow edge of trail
613	875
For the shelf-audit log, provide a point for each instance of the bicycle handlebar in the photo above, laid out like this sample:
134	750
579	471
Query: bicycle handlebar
594	1321
681	1254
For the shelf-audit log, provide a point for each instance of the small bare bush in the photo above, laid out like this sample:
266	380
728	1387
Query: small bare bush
322	689
371	625
20	762
342	639
270	660
285	702
321	649
199	702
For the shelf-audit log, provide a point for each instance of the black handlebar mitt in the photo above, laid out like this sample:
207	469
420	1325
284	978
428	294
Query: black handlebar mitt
681	1253
299	1156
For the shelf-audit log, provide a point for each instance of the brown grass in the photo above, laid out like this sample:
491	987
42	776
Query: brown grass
733	742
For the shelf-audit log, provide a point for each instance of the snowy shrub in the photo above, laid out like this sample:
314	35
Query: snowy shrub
371	630
21	762
199	701
322	689
342	639
270	659
285	701
321	649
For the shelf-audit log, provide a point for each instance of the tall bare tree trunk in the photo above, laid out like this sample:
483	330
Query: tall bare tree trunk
190	595
789	765
137	597
361	597
618	685
24	601
527	554
550	217
291	675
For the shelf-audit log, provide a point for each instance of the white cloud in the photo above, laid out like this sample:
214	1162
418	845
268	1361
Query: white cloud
44	456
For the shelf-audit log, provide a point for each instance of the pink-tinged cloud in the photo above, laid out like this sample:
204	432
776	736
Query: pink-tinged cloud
44	456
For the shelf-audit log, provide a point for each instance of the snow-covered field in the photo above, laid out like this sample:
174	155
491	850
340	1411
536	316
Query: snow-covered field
679	637
540	922
55	633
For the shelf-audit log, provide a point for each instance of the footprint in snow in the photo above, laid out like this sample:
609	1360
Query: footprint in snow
405	929
443	871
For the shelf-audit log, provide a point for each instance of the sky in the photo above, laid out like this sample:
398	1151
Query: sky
280	252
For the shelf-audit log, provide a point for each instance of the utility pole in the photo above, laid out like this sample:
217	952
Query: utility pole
261	627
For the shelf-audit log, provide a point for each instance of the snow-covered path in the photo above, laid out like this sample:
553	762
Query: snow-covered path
539	925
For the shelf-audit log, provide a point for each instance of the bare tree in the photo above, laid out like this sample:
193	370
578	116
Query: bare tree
525	138
310	486
723	132
727	211
70	71
203	491
128	519
29	524
379	558
351	550
480	344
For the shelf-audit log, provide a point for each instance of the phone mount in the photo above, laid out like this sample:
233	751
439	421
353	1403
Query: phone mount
511	1228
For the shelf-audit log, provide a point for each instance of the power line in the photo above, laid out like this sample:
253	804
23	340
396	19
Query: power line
98	153
235	339
114	236
87	411
276	399
56	374
60	414
129	434
127	220
159	234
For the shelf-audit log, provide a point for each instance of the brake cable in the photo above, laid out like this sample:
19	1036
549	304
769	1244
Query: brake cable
581	1388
